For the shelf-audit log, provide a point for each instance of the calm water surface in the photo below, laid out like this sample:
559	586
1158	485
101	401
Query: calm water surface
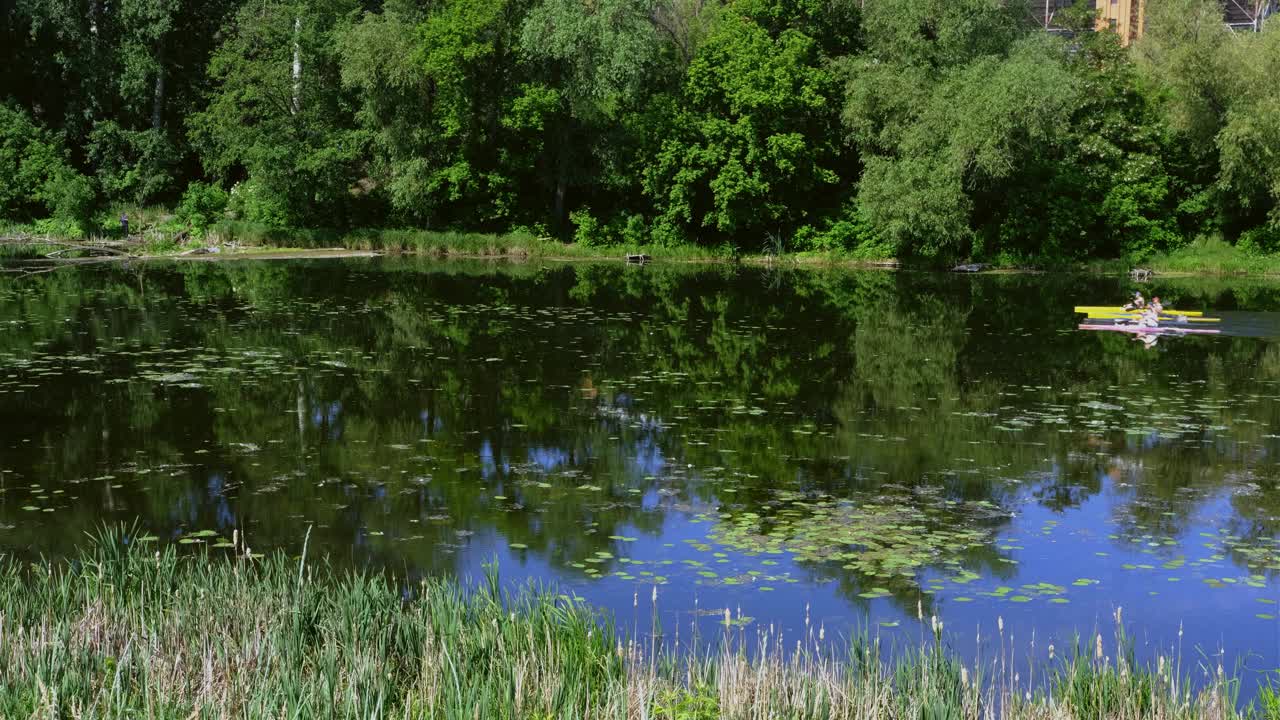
767	441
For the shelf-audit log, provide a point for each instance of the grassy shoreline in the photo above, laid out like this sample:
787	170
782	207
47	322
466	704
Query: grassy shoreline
126	631
1210	256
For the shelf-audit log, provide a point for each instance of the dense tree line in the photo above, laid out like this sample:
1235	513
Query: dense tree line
925	128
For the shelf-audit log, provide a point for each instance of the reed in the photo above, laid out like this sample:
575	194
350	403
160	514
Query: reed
125	631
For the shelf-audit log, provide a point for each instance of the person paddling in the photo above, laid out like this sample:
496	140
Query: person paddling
1150	316
1137	303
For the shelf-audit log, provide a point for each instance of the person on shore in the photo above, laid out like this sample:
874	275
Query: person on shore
1156	305
124	223
1137	303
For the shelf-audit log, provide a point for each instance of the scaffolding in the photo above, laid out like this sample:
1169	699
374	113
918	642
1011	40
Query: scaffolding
1249	15
1128	17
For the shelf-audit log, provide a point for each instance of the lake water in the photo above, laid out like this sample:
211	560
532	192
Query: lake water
841	446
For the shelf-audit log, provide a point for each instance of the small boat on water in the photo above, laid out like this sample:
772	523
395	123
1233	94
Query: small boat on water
1163	318
1094	310
1165	329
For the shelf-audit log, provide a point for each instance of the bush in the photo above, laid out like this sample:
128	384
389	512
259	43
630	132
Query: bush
69	196
588	231
59	228
1260	240
202	206
851	233
635	231
35	178
250	202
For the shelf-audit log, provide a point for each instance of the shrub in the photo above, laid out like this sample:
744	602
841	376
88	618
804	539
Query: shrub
250	202
202	206
588	231
1262	240
35	178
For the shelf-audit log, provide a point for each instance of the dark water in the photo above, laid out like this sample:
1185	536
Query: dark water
762	440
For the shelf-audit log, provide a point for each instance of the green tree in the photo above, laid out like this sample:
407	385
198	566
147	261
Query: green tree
279	118
942	154
593	61
751	144
1249	141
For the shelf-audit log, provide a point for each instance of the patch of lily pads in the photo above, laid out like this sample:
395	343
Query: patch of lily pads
891	537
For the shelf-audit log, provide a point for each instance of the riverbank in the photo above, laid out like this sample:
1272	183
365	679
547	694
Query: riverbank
1211	256
128	631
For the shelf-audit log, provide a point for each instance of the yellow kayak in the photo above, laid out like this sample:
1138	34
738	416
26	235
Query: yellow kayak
1164	317
1117	310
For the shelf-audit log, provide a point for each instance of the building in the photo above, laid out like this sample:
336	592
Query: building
1125	17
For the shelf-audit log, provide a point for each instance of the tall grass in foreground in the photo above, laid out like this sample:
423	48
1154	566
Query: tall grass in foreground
127	632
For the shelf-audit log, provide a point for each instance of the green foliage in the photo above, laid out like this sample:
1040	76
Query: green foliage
251	202
57	227
941	34
701	703
35	177
587	230
930	129
202	206
961	139
294	138
1260	240
750	143
136	166
849	232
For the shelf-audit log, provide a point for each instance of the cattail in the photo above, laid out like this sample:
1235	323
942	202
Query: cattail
1050	651
635	599
655	594
822	632
1119	613
920	610
1000	622
964	676
933	621
1098	648
728	617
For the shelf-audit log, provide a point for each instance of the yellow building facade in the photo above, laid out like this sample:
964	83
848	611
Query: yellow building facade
1127	18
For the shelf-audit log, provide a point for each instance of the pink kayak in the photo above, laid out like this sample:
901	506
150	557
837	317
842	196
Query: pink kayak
1143	330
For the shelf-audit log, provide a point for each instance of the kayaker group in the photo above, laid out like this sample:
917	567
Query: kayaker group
1150	311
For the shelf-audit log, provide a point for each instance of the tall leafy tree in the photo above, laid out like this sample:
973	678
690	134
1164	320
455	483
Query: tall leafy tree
278	120
593	61
751	143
